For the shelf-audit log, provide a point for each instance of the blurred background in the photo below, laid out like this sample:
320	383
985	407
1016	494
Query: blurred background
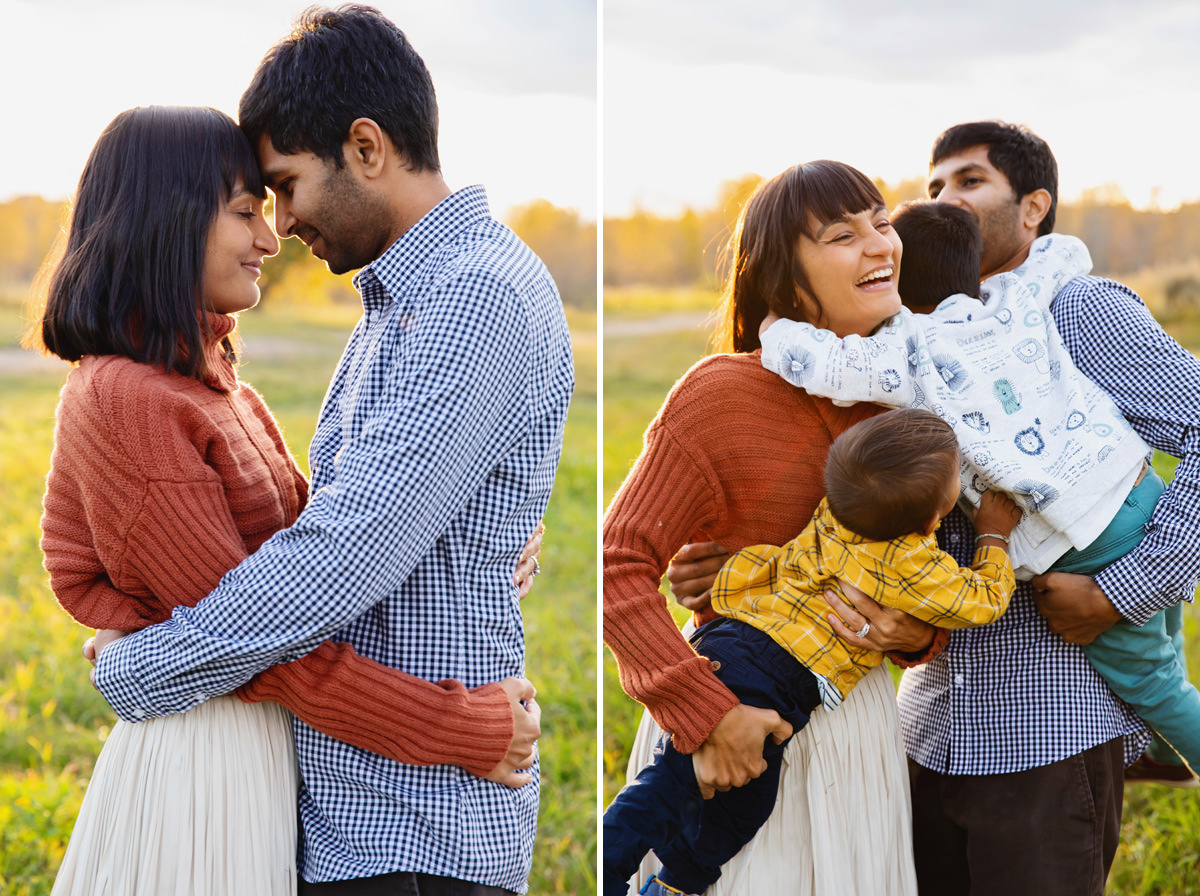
516	84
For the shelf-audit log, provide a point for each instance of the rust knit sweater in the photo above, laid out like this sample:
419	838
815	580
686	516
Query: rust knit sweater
736	455
159	484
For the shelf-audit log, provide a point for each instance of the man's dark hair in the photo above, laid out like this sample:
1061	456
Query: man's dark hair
886	477
336	66
132	272
942	248
1015	151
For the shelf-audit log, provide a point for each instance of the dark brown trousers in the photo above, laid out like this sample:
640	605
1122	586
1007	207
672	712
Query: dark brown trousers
1051	829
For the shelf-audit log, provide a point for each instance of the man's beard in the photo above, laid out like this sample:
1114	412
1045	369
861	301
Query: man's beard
351	223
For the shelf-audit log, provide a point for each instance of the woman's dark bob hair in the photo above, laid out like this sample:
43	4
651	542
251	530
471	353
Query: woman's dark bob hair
763	272
132	273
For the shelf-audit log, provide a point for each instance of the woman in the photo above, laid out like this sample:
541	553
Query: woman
166	473
735	457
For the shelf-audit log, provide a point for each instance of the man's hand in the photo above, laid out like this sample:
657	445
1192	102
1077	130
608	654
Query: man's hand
889	628
527	729
733	752
1074	606
93	646
692	572
527	563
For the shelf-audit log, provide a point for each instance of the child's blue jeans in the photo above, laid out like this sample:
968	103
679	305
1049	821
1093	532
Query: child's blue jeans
1144	665
662	809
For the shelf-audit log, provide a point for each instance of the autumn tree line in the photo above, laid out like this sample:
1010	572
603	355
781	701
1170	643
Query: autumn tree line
31	226
644	249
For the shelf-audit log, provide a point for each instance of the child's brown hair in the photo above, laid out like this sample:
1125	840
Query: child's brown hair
942	251
886	477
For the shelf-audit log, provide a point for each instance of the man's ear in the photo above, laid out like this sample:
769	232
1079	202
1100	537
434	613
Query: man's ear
366	149
1034	207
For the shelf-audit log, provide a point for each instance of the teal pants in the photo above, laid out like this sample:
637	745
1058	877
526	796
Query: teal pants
1144	665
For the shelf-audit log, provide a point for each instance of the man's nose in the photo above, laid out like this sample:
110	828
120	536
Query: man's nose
285	221
950	196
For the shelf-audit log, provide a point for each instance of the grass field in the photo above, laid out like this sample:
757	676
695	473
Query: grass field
1160	849
52	723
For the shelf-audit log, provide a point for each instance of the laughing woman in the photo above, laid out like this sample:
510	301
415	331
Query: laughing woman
167	471
735	456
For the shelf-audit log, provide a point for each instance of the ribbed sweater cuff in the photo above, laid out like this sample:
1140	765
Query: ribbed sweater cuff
386	712
689	703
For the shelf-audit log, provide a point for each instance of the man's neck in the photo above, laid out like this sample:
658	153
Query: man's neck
1012	262
419	196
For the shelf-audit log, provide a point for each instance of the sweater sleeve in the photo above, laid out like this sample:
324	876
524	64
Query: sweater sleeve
664	500
377	708
78	576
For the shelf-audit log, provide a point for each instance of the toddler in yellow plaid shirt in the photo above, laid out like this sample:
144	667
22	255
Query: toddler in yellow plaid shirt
888	483
889	480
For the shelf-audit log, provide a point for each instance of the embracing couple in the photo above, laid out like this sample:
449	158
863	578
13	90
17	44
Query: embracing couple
371	615
1000	533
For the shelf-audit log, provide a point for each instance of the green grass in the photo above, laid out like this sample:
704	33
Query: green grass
633	303
1160	849
52	723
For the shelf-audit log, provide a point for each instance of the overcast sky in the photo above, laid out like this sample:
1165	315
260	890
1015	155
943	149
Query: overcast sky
516	82
700	91
694	92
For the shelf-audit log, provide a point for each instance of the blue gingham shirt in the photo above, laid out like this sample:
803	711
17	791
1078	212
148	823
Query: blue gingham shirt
1012	695
432	462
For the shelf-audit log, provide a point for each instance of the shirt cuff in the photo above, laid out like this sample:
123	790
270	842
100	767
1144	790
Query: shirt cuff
119	679
114	679
1131	591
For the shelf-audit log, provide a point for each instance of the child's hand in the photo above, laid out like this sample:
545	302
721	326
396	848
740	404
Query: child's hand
997	514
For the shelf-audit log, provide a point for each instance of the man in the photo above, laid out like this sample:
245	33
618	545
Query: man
1017	748
432	461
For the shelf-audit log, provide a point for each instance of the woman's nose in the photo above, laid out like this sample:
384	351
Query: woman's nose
879	244
266	239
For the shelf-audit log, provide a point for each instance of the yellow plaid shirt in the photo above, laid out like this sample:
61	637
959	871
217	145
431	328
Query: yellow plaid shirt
780	590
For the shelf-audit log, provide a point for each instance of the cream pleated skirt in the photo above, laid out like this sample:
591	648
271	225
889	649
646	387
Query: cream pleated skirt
202	803
842	822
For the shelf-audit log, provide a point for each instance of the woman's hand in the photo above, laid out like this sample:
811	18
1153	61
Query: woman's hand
527	717
692	572
886	628
527	564
732	753
93	646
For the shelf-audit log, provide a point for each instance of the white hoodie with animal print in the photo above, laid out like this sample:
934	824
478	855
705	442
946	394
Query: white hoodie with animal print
1028	422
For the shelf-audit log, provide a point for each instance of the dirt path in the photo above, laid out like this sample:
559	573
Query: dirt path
18	360
666	323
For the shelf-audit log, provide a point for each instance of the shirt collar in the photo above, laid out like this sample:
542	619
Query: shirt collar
380	281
